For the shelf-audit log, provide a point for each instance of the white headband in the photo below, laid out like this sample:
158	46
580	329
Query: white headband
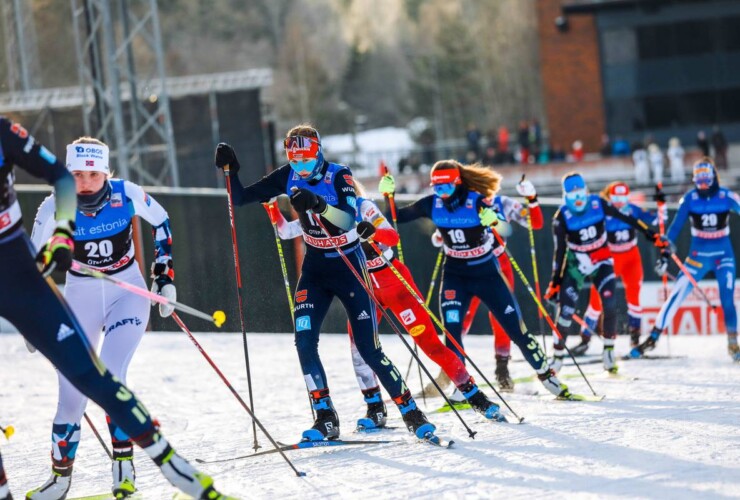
88	158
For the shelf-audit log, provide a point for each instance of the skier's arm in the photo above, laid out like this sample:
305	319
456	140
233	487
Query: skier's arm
384	232
420	208
21	149
679	220
613	211
43	224
268	187
559	251
515	211
151	211
343	214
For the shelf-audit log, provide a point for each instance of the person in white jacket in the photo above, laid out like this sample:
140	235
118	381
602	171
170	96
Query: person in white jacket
676	156
103	241
657	162
642	167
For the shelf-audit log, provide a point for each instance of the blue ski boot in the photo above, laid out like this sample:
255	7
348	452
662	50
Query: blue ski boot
326	425
480	402
648	345
376	415
413	417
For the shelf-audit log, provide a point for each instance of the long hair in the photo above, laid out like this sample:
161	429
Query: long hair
605	193
475	177
360	189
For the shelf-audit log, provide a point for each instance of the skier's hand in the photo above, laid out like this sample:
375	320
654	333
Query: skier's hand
225	155
163	274
387	185
526	189
365	230
488	217
437	239
661	242
304	200
552	293
661	266
57	253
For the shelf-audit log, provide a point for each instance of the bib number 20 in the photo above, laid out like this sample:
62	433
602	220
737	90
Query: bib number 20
102	248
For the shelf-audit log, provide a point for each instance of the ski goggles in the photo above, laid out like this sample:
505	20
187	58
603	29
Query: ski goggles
619	200
444	190
703	175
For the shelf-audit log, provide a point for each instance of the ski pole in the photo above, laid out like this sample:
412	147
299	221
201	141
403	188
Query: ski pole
533	254
390	199
585	326
692	280
442	327
7	431
217	318
97	435
233	391
238	273
430	293
661	228
284	269
542	309
395	328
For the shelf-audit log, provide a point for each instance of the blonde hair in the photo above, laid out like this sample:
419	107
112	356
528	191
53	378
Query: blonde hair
476	177
360	189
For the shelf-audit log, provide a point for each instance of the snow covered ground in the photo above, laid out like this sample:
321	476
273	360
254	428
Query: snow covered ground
673	433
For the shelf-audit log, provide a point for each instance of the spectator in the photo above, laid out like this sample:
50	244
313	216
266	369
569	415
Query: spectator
675	160
473	135
503	140
492	138
535	139
702	143
621	147
489	156
719	143
523	141
558	153
657	162
578	151
606	146
642	167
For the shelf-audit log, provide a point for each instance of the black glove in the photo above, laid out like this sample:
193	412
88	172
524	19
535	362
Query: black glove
163	285
659	195
365	230
225	155
56	254
304	200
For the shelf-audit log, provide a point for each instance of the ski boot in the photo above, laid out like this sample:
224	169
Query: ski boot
56	487
178	471
124	473
608	357
732	347
505	383
551	383
326	425
648	345
5	492
634	337
557	359
581	348
376	415
415	420
480	402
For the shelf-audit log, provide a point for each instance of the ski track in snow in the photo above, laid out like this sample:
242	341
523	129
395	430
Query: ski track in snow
673	433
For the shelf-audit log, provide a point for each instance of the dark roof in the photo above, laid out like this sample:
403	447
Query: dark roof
593	6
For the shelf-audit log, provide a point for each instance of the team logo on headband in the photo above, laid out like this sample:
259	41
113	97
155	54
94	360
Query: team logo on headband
299	147
446	176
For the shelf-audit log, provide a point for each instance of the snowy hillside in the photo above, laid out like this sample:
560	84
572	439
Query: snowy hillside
673	433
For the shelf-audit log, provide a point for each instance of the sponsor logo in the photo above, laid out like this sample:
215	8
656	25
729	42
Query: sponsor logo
328	177
438	203
452	316
450	294
348	179
417	330
607	293
363	315
122	322
5	220
302	323
300	307
47	155
508	309
116	200
468	203
147	200
451	303
89	163
18	130
347	189
301	296
407	316
352	202
335	241
694	263
64	332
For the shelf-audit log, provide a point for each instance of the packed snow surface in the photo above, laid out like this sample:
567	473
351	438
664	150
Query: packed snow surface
672	433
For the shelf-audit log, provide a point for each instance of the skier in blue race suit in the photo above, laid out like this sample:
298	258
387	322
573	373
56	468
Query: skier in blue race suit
708	206
36	308
461	209
319	188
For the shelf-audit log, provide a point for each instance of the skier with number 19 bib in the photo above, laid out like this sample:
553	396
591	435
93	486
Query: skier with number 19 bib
318	188
105	211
